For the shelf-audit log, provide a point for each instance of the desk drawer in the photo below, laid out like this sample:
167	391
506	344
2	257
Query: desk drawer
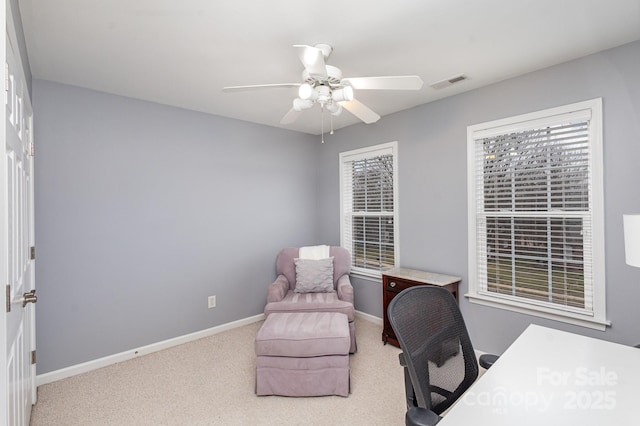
397	285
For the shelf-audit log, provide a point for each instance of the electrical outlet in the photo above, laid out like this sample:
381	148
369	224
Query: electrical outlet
212	302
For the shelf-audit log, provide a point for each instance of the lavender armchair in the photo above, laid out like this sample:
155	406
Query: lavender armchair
281	296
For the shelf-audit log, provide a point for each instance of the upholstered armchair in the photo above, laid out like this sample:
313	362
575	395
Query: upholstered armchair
282	295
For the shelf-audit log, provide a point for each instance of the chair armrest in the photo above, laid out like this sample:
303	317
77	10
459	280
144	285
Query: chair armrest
345	289
277	289
403	362
487	360
418	416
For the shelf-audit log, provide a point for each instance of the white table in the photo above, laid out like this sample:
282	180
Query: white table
551	377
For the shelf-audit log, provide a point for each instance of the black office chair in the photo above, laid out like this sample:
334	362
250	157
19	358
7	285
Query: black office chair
437	355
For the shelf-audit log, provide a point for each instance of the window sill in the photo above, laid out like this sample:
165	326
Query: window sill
376	278
539	311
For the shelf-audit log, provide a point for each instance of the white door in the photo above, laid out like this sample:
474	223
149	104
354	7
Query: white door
16	262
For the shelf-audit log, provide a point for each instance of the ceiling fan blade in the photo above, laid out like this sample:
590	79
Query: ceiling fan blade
400	82
290	117
361	111
259	86
313	60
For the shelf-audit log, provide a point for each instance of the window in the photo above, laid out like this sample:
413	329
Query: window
536	232
368	200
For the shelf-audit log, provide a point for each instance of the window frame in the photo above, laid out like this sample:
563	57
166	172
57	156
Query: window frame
359	154
595	319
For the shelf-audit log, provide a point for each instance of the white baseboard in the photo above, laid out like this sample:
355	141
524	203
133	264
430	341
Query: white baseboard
63	373
369	317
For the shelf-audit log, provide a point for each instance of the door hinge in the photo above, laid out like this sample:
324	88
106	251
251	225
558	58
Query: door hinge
32	253
33	356
8	296
32	149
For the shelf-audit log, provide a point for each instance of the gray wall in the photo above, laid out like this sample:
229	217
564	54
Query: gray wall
141	210
433	194
144	210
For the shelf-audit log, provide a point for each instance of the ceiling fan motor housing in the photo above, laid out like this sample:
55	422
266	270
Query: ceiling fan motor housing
334	77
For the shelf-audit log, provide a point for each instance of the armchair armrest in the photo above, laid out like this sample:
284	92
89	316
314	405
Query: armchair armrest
345	289
277	289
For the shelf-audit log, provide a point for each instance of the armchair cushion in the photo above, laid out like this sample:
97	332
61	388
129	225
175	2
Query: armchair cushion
311	302
314	276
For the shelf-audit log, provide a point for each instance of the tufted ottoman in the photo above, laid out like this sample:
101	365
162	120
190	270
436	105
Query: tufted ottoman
303	354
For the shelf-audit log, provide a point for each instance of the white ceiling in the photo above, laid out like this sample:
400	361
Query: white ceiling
182	52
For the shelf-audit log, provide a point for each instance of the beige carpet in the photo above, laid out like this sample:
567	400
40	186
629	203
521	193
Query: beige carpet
211	382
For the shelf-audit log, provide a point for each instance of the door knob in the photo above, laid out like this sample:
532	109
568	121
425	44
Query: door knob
29	297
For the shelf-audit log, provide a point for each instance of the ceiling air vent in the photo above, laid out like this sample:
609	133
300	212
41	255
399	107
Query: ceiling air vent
448	82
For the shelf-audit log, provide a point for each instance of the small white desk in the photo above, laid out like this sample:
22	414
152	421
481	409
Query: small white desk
551	377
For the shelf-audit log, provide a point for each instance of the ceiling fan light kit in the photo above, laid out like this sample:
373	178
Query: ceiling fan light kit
323	84
334	109
344	94
306	91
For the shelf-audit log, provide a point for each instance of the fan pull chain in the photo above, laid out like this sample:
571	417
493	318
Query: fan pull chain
331	118
322	121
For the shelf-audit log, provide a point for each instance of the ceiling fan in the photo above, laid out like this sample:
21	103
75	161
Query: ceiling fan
324	85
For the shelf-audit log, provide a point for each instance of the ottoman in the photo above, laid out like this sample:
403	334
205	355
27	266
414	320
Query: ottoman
303	354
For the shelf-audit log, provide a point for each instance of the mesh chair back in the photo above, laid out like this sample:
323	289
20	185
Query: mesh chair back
436	345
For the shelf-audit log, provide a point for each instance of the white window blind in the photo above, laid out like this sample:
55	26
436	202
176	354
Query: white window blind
368	200
534	212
